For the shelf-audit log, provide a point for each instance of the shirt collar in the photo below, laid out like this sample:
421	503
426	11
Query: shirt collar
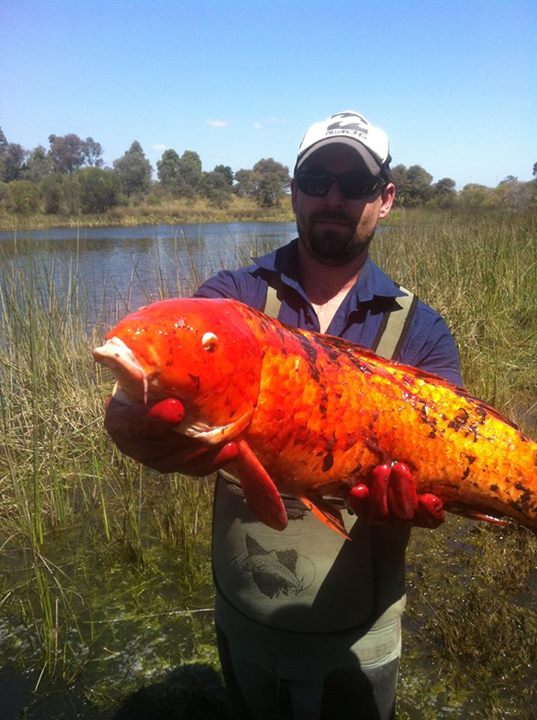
371	282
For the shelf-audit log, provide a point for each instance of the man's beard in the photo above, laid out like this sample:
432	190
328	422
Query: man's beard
333	246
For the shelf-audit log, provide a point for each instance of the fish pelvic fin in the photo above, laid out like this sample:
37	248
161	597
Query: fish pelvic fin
327	514
260	492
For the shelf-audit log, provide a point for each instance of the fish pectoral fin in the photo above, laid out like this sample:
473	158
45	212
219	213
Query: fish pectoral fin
326	513
259	489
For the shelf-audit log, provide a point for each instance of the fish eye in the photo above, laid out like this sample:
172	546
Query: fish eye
209	341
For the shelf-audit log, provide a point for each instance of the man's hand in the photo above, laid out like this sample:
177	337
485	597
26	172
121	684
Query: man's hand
146	433
391	496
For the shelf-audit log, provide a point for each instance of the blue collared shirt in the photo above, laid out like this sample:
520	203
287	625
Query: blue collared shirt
428	344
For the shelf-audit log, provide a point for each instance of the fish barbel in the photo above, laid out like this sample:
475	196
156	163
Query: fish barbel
313	414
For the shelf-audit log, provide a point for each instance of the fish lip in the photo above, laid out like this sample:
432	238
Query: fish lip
118	356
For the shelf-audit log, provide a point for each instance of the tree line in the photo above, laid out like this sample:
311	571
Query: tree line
69	178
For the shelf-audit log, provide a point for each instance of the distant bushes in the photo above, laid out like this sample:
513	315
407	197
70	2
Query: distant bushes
69	179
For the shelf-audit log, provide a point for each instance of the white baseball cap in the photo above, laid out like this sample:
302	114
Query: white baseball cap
352	129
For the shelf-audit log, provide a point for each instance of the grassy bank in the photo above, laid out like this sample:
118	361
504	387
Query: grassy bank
185	212
161	212
104	567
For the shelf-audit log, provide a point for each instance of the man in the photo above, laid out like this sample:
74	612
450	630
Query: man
309	624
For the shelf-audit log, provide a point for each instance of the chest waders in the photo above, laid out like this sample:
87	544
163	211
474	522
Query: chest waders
301	611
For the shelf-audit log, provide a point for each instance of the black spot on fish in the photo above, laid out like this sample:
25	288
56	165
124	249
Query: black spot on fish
428	419
460	420
328	462
471	459
310	351
494	488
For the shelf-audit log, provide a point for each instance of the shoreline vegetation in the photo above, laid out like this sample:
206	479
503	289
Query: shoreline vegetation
105	580
237	209
167	212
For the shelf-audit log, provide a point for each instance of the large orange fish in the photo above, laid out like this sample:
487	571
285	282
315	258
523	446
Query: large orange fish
312	415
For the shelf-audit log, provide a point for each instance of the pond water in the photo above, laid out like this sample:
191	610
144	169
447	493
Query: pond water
121	268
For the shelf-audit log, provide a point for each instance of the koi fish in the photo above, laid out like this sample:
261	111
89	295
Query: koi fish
313	415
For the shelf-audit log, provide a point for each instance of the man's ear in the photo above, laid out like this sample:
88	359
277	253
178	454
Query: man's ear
388	198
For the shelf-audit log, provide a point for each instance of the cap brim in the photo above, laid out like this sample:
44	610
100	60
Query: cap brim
372	165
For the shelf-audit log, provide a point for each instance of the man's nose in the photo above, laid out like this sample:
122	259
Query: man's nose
334	196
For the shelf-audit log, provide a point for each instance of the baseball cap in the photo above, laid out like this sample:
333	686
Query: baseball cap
352	129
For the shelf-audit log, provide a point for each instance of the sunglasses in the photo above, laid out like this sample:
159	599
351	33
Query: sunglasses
352	185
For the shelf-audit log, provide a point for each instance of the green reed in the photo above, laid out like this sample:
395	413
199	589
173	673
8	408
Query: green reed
481	275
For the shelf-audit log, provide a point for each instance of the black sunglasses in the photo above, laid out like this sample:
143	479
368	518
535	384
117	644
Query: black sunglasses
352	185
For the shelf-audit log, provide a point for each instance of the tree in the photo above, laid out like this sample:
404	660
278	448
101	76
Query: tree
4	143
226	171
245	183
69	152
418	185
133	170
93	152
413	185
445	193
216	188
182	176
268	165
38	164
399	177
61	194
267	182
23	197
269	190
168	170
11	162
474	196
514	195
99	189
190	174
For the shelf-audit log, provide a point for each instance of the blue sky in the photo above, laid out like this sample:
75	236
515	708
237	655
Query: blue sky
453	82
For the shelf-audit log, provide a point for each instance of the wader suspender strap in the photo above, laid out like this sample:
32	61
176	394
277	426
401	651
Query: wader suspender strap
395	325
393	328
272	302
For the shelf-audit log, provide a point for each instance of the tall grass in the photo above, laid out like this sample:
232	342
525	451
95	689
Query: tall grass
60	476
481	275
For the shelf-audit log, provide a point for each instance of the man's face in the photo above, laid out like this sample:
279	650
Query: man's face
334	230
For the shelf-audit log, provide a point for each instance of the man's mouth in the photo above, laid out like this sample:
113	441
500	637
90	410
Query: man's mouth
331	219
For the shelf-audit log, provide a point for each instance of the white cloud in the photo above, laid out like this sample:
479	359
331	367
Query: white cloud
261	124
217	123
159	146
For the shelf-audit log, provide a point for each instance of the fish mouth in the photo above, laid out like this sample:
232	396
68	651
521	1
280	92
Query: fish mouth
130	375
213	435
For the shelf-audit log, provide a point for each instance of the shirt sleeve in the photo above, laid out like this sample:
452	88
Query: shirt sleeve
244	285
221	285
